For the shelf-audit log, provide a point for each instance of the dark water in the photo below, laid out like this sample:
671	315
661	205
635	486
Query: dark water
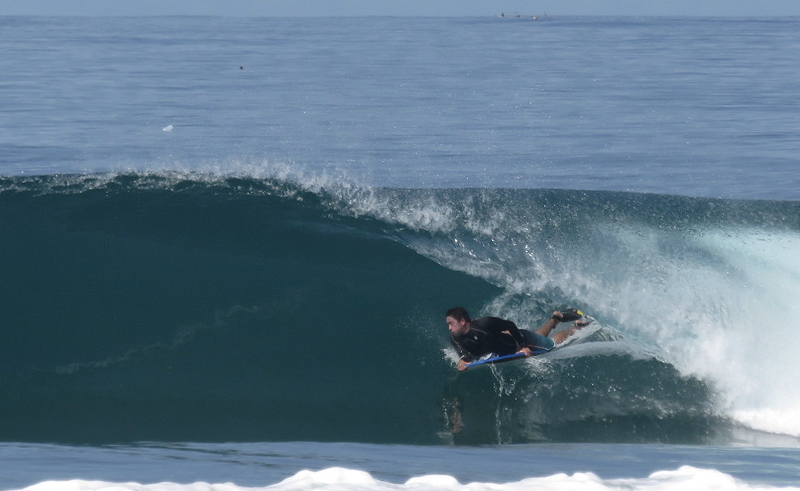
214	312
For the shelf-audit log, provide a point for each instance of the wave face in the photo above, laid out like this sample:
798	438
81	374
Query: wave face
187	307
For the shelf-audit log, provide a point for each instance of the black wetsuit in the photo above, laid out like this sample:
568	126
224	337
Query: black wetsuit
486	336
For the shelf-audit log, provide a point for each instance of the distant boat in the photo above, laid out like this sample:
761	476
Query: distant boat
516	15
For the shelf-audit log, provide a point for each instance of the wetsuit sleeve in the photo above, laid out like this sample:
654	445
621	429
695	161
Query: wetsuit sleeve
462	352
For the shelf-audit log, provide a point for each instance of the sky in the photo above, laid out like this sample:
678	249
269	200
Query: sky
451	8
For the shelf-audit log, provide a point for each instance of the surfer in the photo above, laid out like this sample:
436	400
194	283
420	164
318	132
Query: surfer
473	339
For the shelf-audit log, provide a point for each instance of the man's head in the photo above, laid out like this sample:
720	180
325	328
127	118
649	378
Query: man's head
457	320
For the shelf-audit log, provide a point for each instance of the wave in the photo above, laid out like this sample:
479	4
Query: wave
338	478
206	307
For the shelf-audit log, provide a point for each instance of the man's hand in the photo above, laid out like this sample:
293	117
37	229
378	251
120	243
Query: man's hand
462	365
525	351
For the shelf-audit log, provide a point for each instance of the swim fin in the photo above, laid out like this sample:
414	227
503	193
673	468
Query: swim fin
569	315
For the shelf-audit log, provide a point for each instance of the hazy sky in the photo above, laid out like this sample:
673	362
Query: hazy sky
267	8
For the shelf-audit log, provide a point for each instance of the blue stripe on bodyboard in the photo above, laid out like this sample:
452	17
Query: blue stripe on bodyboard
504	358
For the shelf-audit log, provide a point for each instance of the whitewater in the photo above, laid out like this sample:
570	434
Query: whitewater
228	244
336	478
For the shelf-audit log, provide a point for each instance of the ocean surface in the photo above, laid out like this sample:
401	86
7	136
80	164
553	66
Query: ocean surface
228	245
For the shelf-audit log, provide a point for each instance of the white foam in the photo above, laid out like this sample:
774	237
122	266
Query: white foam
757	362
718	304
779	421
340	479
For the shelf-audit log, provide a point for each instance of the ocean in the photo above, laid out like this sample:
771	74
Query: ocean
228	245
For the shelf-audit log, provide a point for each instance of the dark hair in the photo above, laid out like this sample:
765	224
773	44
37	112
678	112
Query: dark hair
458	313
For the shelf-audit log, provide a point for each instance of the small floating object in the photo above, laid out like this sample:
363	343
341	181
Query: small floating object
167	128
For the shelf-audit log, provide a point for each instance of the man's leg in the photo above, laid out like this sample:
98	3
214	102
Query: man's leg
551	324
548	326
560	337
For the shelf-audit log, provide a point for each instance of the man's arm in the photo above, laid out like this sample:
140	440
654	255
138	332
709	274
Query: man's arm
512	329
464	355
509	327
503	327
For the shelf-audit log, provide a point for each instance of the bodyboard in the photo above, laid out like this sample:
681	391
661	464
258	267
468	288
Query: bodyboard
504	358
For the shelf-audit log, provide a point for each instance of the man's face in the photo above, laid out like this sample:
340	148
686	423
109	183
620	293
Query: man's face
456	326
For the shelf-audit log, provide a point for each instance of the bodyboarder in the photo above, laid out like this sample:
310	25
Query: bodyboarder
473	339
